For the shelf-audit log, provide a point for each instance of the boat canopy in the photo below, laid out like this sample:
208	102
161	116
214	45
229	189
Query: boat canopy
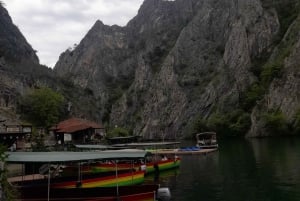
48	157
143	144
206	135
93	146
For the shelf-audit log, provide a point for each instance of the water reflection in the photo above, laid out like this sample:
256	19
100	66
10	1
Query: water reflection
247	170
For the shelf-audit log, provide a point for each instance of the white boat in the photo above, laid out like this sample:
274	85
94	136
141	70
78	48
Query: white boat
207	140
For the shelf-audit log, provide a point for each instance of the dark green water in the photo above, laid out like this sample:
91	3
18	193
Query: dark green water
242	170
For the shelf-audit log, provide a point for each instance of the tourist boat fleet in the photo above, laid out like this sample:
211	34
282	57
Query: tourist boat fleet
107	175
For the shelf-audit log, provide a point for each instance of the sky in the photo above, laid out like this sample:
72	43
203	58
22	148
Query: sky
52	26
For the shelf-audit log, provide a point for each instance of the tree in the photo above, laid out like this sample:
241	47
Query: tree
118	132
6	190
42	107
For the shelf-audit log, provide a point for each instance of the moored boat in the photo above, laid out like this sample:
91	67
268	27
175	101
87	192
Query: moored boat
81	188
150	166
163	164
102	179
153	161
102	166
206	140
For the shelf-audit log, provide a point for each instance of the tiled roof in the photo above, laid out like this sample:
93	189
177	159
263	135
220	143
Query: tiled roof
75	124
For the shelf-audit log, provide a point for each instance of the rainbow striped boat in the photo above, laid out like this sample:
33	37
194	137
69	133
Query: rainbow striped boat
150	167
83	187
93	180
162	165
97	167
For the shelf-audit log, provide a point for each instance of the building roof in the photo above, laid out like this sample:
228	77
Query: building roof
75	124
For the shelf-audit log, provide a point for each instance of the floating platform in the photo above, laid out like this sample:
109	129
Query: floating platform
182	152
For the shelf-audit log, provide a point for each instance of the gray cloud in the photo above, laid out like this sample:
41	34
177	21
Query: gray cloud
51	26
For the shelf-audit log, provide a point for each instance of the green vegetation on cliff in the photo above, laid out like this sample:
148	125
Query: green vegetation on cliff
233	124
42	107
118	132
276	122
296	123
8	194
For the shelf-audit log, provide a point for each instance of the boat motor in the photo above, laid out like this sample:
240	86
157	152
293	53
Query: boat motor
163	194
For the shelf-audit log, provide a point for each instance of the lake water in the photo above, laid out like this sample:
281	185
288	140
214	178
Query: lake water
241	170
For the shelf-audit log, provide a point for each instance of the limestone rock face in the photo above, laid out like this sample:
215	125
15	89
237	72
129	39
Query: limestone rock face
176	61
13	45
14	50
20	71
283	93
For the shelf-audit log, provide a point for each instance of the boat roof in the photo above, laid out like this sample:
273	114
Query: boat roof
207	133
48	157
124	137
93	146
143	144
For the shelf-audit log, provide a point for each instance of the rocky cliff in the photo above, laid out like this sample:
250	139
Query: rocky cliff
280	106
20	71
178	63
13	46
14	50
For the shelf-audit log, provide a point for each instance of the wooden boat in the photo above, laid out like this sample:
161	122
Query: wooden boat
156	161
82	188
101	166
102	179
156	164
125	193
150	163
162	164
206	140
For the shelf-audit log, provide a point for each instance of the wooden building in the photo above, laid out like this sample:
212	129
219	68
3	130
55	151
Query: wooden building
78	131
15	135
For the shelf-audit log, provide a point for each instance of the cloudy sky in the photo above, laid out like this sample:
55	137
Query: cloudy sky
52	26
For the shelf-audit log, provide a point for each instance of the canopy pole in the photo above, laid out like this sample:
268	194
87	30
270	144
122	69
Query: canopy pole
23	172
79	179
116	162
49	181
132	169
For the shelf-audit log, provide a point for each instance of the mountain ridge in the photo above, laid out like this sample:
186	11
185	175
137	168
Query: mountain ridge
179	67
191	58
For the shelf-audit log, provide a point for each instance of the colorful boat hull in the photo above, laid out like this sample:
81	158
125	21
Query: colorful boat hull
162	165
126	193
108	179
124	179
103	167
